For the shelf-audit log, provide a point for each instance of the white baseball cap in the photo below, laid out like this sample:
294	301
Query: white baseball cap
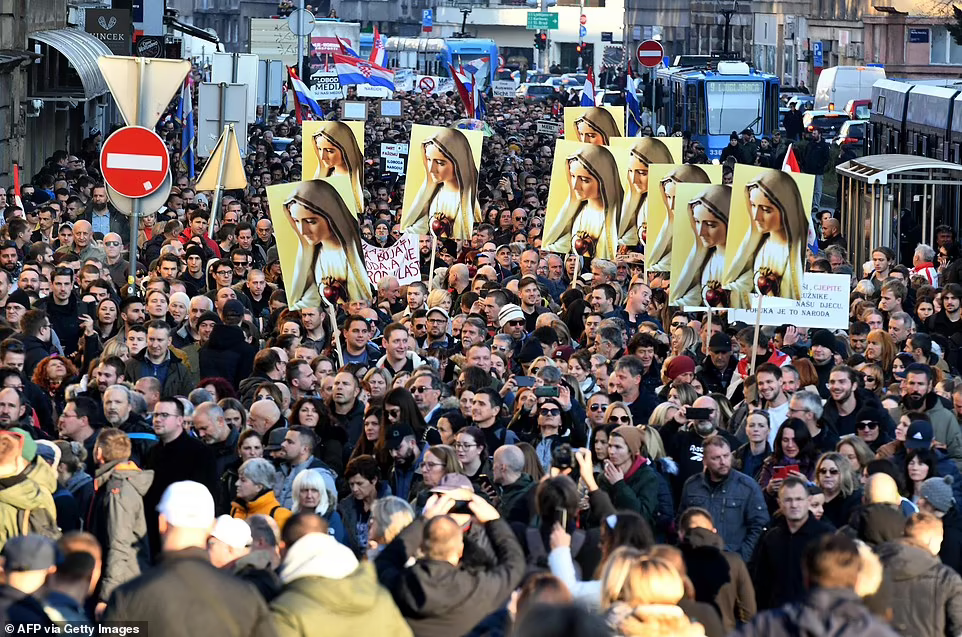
187	505
233	532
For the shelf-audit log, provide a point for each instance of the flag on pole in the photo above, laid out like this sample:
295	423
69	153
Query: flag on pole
478	69
305	106
588	92
378	50
346	47
633	112
461	82
185	117
356	71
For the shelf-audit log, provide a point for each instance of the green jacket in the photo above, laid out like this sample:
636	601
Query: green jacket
637	492
354	606
27	492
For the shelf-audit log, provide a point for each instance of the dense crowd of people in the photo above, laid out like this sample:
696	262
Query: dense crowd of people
525	444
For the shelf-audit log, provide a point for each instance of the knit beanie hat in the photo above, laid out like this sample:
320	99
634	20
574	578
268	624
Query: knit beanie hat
680	365
938	493
508	313
632	437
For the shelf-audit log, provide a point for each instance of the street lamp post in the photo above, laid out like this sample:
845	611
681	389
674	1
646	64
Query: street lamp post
728	13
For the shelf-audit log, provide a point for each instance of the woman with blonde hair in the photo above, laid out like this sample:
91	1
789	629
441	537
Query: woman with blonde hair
840	485
880	349
640	595
770	259
447	202
338	153
329	254
704	268
310	493
683	340
587	222
634	213
440	298
618	414
659	257
856	451
662	414
873	378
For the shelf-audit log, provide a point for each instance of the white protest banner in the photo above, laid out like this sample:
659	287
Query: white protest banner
504	88
548	128
433	85
400	260
326	86
404	79
394	165
366	90
393	150
824	304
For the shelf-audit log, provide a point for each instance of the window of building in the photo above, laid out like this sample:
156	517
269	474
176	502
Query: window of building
943	49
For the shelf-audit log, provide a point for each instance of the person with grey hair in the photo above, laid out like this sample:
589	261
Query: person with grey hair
211	427
603	271
187	334
516	487
199	396
609	342
255	492
119	413
807	407
901	327
923	262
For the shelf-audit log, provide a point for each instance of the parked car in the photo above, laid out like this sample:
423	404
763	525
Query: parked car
827	122
851	137
536	92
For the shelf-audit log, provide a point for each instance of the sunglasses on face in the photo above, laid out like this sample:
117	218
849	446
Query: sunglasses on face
546	411
597	407
615	420
828	472
867	425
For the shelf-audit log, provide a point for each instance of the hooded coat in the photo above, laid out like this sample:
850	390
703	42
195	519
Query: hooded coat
720	577
926	594
325	586
227	355
118	522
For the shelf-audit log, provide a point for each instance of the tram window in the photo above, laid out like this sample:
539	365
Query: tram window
691	105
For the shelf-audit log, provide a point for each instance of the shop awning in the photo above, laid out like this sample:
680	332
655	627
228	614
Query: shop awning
81	51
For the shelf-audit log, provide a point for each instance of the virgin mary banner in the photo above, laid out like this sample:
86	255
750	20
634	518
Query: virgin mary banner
766	235
663	180
594	124
441	189
635	155
318	242
584	201
334	148
401	260
700	236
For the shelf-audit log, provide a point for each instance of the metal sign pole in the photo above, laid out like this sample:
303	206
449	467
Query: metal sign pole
222	120
222	169
136	203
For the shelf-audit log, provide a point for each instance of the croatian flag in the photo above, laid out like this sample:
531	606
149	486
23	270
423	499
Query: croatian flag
479	69
346	47
378	52
633	112
355	71
463	84
187	133
588	92
303	99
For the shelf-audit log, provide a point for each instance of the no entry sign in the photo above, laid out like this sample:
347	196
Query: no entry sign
134	161
650	53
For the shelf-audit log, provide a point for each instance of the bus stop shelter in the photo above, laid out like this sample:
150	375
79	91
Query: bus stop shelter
896	201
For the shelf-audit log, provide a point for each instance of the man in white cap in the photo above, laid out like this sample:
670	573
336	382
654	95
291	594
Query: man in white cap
185	595
229	541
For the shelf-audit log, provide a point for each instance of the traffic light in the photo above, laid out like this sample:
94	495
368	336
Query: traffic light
580	48
541	41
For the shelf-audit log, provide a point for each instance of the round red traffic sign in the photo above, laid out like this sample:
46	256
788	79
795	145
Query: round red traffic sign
426	84
584	19
134	161
650	53
500	61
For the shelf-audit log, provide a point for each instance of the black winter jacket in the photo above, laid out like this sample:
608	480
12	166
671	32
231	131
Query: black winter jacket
227	355
442	600
777	563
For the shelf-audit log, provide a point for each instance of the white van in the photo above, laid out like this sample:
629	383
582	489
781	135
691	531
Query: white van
839	84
